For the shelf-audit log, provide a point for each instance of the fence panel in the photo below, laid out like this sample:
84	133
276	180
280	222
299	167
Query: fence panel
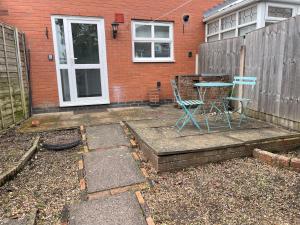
14	87
221	57
272	54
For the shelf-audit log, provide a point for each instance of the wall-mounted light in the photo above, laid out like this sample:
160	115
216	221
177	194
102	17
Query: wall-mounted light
114	26
185	20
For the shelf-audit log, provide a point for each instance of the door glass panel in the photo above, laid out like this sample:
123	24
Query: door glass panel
65	85
88	83
85	43
60	39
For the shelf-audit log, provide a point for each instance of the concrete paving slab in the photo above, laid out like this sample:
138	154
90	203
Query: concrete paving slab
205	142
120	209
106	136
259	134
113	168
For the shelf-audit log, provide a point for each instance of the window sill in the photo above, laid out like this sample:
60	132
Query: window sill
153	61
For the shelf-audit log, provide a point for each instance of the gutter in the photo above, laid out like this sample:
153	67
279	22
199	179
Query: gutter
236	6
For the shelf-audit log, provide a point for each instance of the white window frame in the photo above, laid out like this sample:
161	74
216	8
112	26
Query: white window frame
275	19
237	26
153	40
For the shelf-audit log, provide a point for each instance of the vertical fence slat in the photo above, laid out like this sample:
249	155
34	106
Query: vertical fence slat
26	65
20	74
8	74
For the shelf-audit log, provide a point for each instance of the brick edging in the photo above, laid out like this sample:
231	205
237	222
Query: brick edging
144	207
277	160
81	174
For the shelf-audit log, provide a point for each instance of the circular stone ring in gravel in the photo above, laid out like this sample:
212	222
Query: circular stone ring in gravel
61	146
58	143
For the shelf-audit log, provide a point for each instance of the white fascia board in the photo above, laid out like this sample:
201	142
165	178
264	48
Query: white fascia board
230	8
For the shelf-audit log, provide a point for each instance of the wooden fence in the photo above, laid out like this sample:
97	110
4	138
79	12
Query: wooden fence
272	54
14	85
221	57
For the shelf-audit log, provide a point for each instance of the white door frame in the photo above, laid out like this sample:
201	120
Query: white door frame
71	66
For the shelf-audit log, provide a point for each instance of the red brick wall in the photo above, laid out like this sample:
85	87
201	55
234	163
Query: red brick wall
134	79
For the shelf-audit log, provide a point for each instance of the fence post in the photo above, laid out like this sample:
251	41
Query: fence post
8	76
20	74
2	120
241	72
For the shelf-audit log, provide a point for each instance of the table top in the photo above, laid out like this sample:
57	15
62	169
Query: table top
213	84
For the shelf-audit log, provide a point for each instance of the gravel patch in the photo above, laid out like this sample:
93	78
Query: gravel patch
13	145
47	183
241	191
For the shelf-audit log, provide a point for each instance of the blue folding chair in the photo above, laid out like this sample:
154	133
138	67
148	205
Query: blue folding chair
190	108
249	83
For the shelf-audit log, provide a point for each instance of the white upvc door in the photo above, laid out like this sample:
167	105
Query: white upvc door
81	65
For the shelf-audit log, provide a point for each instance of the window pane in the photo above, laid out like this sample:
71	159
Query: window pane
247	29
143	31
213	38
142	49
161	31
269	23
85	43
248	15
213	27
228	22
60	39
162	50
65	85
280	12
228	34
88	83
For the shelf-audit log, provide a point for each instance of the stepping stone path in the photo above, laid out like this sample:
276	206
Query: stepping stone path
109	165
113	168
122	209
106	136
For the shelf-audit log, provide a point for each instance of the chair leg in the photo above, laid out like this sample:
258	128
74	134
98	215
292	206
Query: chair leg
242	113
189	116
205	117
226	114
182	118
226	102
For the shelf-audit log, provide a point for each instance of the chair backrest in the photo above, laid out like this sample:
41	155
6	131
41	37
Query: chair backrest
244	81
175	91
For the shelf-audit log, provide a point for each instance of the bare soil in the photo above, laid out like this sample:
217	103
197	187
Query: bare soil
13	145
47	183
241	191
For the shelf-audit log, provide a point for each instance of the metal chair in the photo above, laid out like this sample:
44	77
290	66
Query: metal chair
189	107
238	82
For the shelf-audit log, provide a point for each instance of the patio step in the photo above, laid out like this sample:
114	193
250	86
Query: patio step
167	149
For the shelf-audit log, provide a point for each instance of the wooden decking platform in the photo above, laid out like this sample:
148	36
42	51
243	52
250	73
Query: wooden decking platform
167	149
